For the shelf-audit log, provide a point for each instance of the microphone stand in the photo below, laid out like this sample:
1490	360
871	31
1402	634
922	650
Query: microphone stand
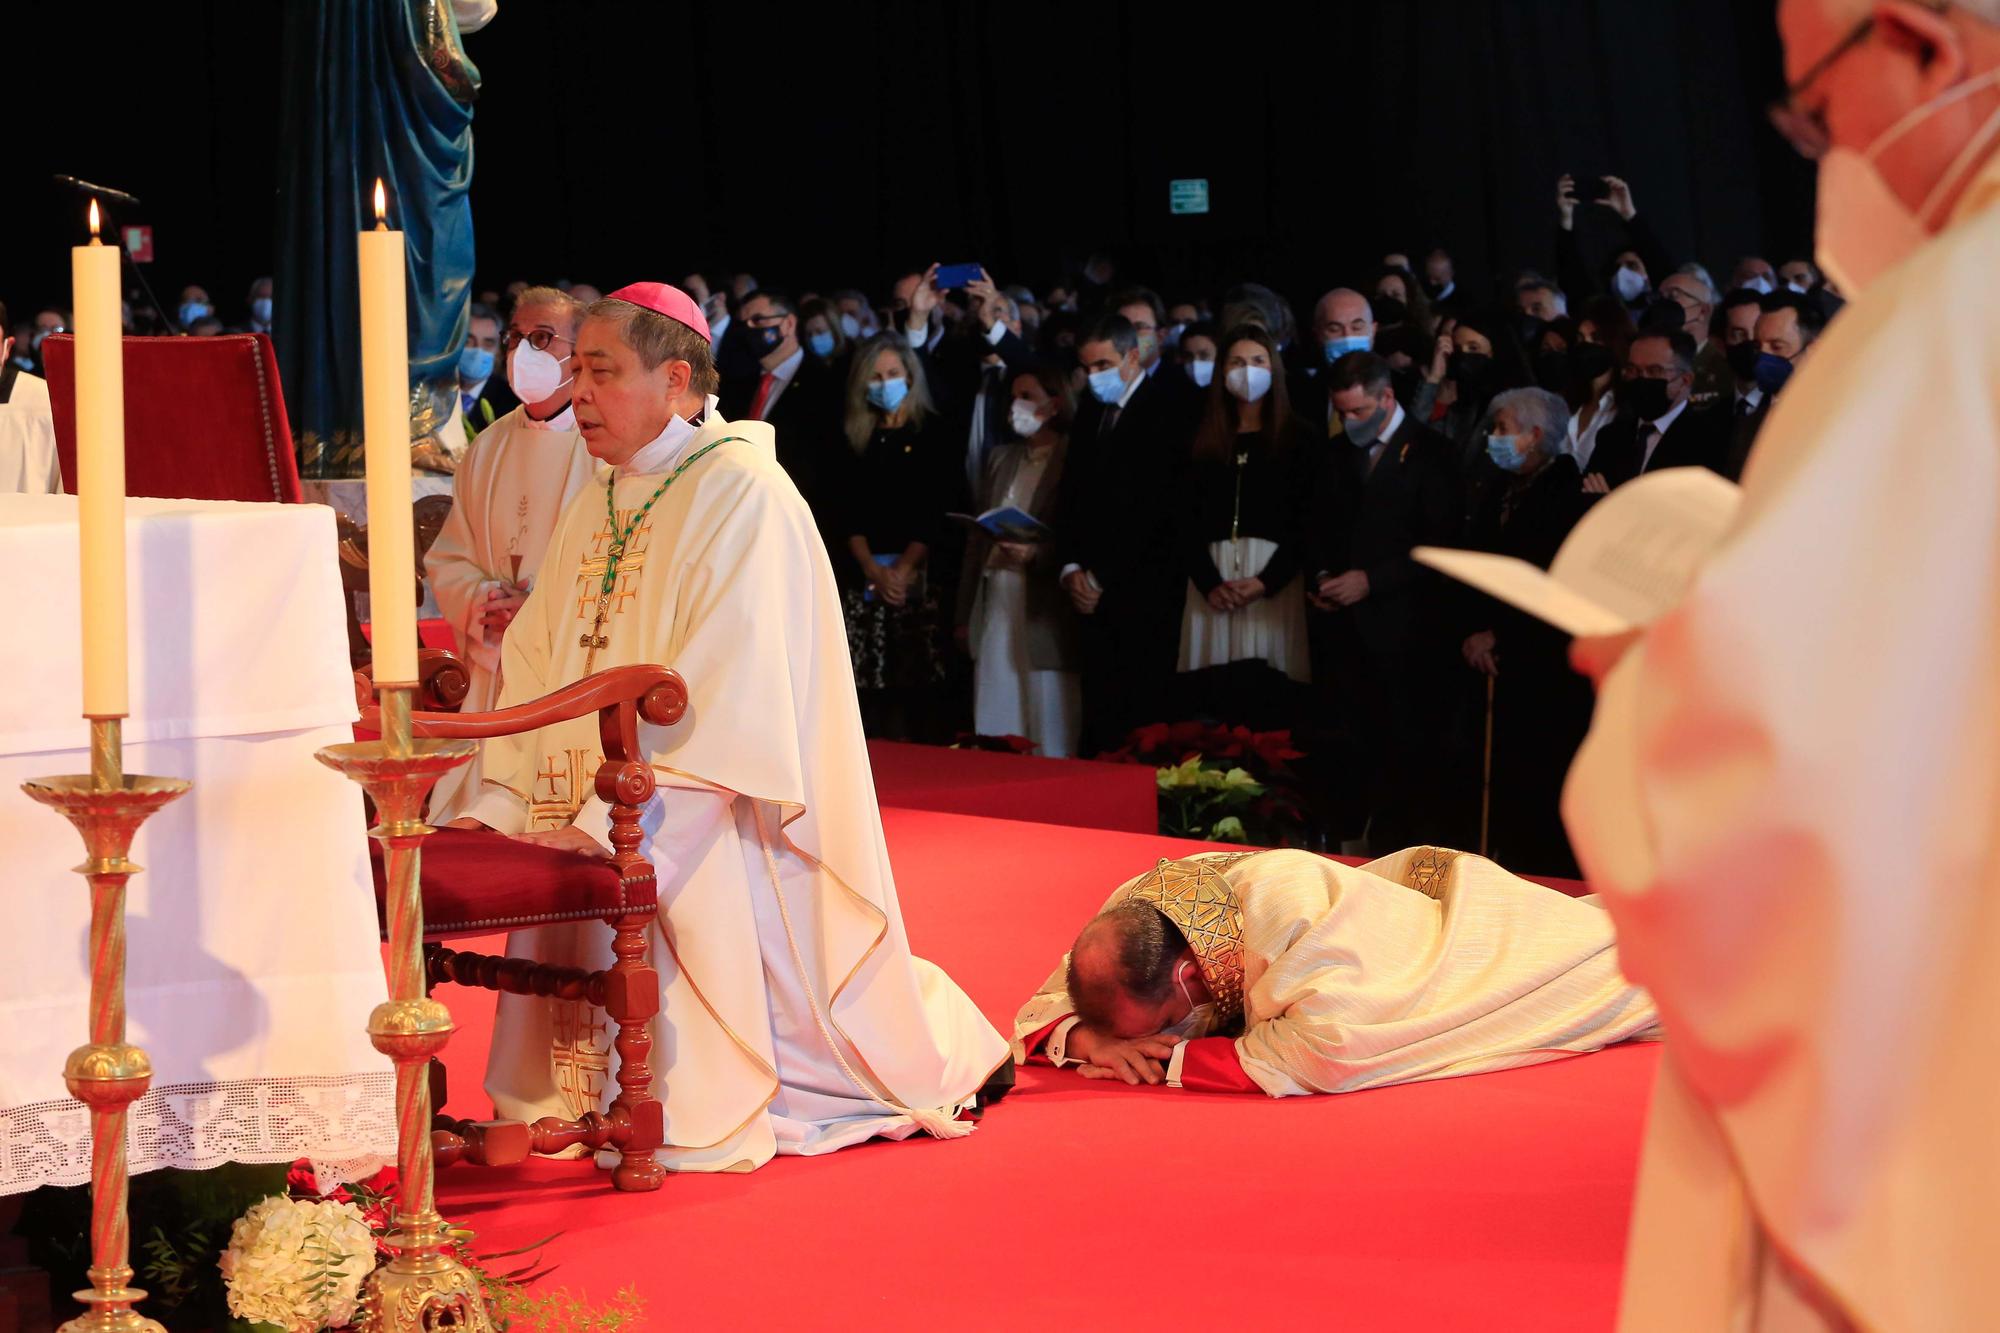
131	264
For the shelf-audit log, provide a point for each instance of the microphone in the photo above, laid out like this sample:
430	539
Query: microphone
101	191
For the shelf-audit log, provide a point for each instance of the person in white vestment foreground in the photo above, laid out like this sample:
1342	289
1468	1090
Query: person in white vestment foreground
510	489
1787	796
1288	973
794	1018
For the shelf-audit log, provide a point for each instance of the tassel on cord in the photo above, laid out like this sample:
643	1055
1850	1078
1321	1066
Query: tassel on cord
939	1122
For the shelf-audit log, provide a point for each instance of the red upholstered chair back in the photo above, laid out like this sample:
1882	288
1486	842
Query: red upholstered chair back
204	418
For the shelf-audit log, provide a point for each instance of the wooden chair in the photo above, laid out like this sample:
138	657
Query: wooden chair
479	883
430	513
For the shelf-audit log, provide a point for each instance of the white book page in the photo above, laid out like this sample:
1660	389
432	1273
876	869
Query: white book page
1628	562
1638	549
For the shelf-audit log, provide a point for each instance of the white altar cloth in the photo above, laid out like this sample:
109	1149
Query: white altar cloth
254	957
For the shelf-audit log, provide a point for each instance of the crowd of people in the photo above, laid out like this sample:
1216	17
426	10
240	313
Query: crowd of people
1224	498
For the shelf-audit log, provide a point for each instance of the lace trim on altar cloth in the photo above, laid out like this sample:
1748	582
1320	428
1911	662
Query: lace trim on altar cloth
345	1124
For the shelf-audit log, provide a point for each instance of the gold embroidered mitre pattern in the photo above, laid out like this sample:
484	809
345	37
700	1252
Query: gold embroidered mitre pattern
1198	900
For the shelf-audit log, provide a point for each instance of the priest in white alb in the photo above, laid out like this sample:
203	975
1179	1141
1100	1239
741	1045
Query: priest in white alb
1788	796
510	488
27	428
794	1017
1288	973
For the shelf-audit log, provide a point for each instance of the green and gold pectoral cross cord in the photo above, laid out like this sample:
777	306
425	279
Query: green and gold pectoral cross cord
595	639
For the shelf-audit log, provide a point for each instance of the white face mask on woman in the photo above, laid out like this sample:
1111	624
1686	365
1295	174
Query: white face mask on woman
1864	228
1248	382
1023	418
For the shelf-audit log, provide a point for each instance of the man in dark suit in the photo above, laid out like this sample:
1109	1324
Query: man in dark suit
1787	326
973	369
1657	425
1115	539
1384	486
796	393
483	393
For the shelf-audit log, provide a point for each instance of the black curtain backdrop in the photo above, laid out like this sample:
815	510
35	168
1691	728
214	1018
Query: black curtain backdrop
829	146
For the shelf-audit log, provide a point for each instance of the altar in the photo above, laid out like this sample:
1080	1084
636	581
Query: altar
254	954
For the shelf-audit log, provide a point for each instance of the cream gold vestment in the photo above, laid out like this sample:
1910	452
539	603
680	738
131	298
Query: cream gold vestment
510	489
1424	964
794	1018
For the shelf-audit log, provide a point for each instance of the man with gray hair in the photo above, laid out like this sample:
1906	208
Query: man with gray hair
1690	288
1787	795
511	486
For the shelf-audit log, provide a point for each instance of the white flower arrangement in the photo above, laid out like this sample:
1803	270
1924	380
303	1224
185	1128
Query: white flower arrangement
298	1264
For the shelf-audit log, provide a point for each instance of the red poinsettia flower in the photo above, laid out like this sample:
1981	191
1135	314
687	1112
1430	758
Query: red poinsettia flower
382	1182
300	1181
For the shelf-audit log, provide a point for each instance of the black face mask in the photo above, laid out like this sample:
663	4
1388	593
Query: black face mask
1388	310
1743	360
766	339
1552	370
1529	328
1589	360
1404	383
1436	289
1647	399
1470	369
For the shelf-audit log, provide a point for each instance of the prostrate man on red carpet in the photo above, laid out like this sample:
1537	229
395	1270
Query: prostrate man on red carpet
793	1017
1288	973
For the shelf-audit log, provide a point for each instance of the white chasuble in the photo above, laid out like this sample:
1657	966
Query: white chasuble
1424	964
1788	800
508	492
794	1018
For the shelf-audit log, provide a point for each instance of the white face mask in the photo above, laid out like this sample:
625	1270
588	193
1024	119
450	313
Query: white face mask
1864	228
1248	382
1631	283
533	373
1201	372
1200	1019
1758	283
1023	418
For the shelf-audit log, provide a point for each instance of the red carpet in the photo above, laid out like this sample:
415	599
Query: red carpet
1081	793
1492	1203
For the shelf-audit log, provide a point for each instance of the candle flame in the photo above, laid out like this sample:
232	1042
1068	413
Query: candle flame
93	220
381	203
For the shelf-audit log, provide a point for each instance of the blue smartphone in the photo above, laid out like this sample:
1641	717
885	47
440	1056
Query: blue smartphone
956	275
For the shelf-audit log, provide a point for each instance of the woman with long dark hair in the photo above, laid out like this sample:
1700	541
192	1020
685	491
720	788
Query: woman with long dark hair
1243	630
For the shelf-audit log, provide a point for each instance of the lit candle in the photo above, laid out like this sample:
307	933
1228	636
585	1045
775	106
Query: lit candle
100	469
385	425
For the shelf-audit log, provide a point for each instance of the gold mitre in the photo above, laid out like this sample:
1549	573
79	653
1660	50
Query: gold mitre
1193	894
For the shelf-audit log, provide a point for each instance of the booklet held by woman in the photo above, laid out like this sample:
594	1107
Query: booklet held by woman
1625	564
1007	524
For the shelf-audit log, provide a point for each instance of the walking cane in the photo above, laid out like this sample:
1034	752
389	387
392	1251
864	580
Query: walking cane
1486	781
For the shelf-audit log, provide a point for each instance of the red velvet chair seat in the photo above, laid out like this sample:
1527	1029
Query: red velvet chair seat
475	883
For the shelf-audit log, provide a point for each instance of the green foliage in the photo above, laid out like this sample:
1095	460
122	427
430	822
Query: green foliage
519	1310
180	1225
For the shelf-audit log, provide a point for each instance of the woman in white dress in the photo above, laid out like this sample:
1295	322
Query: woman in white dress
1015	619
1243	632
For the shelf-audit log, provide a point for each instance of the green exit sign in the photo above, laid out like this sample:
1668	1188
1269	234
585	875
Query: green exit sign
1187	196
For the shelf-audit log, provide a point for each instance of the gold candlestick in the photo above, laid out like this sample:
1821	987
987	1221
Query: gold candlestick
423	1286
108	1074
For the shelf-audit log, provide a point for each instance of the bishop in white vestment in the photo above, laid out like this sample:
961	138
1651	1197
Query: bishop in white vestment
1788	794
1288	973
510	488
794	1018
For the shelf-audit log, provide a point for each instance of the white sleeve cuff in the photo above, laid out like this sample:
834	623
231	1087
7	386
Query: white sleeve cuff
917	337
1057	1046
594	817
1072	567
995	334
1174	1064
499	809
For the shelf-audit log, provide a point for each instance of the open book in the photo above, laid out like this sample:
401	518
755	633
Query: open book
1625	564
1007	525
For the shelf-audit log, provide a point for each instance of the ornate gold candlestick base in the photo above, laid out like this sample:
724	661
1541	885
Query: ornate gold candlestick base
423	1287
108	1074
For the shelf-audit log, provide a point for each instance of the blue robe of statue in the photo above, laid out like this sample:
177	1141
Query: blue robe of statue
372	88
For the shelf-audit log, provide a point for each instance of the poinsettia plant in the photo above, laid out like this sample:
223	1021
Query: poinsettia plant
1221	783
